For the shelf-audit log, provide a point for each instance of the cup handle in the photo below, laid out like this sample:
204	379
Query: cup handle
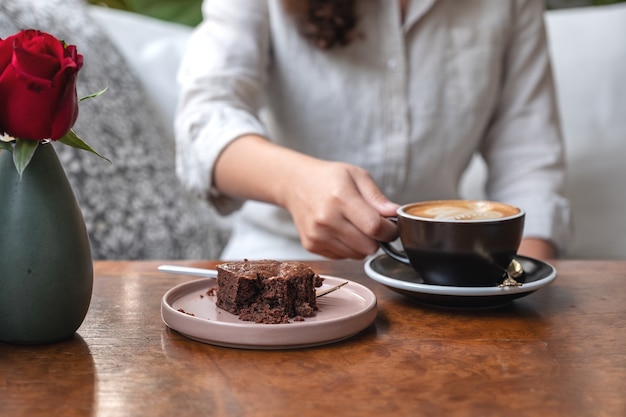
392	252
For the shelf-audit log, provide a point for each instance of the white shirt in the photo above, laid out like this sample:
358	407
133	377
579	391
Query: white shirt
409	102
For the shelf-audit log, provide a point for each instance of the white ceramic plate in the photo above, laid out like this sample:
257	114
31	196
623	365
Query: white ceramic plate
403	279
342	314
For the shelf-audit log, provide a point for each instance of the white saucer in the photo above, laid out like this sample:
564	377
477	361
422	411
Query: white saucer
342	314
403	279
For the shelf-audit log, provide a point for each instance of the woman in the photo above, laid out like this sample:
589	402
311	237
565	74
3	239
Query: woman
321	116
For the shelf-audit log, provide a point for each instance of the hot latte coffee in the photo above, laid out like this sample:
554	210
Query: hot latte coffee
463	243
462	210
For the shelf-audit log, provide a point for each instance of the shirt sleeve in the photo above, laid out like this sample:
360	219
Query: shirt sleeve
222	79
523	147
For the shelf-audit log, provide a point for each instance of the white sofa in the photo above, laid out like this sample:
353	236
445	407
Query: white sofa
589	50
588	47
589	57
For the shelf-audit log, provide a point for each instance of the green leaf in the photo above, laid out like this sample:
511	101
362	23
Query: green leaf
6	146
96	94
22	153
72	139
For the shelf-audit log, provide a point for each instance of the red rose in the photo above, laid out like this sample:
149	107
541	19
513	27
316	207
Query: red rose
37	86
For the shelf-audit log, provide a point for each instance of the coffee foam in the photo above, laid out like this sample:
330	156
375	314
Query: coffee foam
462	210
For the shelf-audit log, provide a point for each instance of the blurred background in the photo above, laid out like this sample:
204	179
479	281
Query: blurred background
135	208
187	12
587	39
561	4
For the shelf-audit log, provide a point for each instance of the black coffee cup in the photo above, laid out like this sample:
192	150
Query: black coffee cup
462	243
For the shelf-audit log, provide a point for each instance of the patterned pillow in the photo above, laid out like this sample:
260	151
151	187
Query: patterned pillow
134	208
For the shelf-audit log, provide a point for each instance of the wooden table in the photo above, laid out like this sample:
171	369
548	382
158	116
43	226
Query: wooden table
558	352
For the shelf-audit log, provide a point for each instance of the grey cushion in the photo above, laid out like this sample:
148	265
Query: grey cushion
134	208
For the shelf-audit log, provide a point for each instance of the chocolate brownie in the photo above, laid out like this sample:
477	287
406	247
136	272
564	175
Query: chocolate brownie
267	291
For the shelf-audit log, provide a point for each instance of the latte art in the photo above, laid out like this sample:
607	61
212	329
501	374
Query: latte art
462	210
455	213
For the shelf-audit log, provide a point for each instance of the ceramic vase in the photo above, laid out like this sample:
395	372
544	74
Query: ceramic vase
46	270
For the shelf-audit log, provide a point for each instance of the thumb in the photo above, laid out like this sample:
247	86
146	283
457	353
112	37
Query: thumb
382	204
374	197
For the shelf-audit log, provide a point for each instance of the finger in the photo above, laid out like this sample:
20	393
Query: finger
372	194
371	225
358	211
338	239
373	222
336	249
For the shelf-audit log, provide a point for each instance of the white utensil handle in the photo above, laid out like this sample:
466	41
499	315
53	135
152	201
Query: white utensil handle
186	270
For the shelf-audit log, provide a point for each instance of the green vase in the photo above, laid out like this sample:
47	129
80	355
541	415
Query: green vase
46	270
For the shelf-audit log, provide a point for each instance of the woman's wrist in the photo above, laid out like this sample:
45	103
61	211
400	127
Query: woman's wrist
537	248
252	167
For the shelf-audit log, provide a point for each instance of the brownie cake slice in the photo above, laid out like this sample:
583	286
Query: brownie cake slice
267	291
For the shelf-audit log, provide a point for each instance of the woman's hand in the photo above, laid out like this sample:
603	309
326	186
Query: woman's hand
337	208
537	248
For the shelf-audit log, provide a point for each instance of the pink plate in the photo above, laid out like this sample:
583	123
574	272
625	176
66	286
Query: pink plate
342	314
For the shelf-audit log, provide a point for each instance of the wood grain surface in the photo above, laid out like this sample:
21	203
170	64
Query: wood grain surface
558	352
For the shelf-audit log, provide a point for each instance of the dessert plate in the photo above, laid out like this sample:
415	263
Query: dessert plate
188	309
404	280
